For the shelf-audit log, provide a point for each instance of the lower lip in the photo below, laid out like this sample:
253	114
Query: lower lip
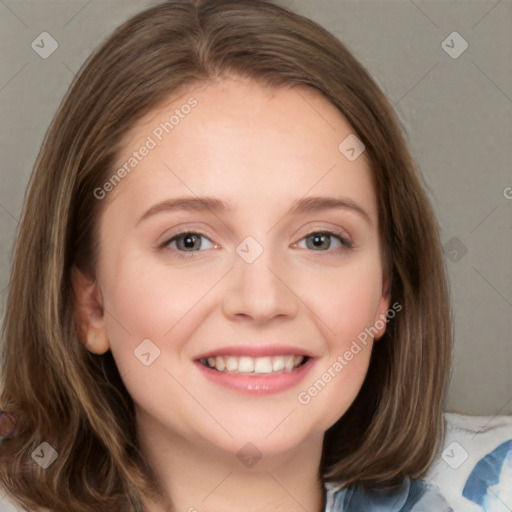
258	384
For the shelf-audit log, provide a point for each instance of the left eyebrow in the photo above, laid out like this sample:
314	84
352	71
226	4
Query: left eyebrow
314	204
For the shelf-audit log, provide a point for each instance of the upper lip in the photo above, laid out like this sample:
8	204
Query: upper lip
257	351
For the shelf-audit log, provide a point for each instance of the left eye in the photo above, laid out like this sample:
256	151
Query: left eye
323	240
188	242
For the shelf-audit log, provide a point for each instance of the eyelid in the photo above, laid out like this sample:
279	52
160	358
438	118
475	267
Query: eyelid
181	231
327	228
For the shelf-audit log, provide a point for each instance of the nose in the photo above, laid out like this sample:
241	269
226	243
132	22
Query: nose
260	291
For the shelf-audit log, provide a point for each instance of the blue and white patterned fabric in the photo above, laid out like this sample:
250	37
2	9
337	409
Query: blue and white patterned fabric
490	483
413	496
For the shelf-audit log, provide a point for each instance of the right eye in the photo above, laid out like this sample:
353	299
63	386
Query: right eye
187	241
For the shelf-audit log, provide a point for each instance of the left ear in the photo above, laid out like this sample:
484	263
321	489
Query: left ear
380	320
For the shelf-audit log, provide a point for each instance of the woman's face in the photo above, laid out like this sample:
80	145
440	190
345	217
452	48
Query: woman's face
236	319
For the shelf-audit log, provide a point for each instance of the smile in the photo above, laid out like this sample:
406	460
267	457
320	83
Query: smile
254	365
256	373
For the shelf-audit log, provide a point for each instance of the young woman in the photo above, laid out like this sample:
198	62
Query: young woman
228	291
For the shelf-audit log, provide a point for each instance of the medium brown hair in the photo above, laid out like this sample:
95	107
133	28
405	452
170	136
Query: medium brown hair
76	401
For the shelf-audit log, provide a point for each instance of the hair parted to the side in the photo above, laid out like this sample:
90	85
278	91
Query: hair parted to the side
62	394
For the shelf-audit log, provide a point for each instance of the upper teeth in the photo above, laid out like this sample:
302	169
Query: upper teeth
245	364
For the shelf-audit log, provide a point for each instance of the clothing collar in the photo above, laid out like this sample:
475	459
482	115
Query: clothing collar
355	499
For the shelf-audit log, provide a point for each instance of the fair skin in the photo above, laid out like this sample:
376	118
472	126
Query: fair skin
260	150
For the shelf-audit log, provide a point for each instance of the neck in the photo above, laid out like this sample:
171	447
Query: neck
197	476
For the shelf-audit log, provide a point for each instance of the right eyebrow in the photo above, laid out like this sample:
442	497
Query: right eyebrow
188	203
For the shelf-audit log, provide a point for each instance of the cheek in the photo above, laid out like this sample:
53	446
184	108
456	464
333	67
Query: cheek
346	308
345	301
331	391
150	302
336	381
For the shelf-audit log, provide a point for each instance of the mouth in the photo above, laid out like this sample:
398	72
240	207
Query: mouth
256	366
256	370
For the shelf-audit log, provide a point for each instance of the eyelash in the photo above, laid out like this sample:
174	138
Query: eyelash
346	243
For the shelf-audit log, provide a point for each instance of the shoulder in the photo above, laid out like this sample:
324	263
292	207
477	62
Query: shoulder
413	496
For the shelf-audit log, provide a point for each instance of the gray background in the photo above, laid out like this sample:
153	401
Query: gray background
456	113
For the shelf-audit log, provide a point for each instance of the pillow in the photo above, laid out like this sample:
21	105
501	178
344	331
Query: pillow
474	469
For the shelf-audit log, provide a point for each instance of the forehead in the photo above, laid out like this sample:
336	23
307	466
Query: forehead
241	138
